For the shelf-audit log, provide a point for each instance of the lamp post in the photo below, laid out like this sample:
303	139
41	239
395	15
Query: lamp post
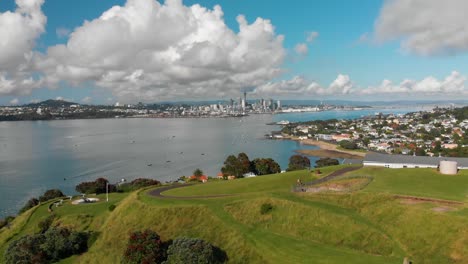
107	188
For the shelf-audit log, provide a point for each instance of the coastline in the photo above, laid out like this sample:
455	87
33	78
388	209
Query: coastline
327	150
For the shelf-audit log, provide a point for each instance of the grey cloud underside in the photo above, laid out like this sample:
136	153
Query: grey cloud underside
426	27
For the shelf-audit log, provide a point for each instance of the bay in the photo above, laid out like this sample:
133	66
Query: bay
36	156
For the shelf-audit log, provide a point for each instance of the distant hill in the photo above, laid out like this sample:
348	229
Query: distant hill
51	103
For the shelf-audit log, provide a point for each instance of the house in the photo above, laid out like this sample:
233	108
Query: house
220	176
231	177
404	161
202	178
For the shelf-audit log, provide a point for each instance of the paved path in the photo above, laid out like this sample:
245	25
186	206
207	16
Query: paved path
158	193
330	177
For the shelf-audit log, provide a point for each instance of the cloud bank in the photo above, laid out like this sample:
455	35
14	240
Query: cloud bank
145	50
426	27
18	33
451	86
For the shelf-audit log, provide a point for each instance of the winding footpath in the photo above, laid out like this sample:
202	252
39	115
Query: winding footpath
158	193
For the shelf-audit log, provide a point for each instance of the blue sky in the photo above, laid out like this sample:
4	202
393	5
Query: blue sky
337	50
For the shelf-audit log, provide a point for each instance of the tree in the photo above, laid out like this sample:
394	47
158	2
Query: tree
29	204
197	173
98	186
298	162
346	144
245	163
193	250
232	166
266	166
53	245
144	247
51	194
324	162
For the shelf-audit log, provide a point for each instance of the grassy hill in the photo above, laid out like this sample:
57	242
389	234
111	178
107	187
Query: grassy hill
368	225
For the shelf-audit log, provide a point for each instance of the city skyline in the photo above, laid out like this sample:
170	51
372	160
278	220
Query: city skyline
144	50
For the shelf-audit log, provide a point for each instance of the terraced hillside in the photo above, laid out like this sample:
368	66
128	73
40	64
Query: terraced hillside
371	215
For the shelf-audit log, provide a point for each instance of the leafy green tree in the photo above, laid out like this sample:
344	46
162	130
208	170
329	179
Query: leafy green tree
245	163
298	162
98	186
232	166
144	247
324	162
266	166
197	173
192	250
346	144
51	194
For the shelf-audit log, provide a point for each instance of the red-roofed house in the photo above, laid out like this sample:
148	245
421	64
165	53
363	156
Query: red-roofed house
202	178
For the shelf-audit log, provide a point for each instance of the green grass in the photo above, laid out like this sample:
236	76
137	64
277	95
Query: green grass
417	182
366	226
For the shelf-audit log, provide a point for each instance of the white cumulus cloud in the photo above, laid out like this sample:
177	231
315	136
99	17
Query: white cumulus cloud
452	86
301	49
426	27
146	50
18	33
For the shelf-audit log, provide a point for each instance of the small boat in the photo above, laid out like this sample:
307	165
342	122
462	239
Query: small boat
149	165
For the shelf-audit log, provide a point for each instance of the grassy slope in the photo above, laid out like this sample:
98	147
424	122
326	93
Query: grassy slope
417	182
362	227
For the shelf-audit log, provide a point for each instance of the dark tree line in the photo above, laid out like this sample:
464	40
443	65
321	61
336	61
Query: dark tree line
240	165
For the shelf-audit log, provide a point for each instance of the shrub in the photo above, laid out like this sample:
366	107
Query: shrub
29	204
51	194
144	247
98	186
324	162
137	184
266	208
298	162
5	221
193	250
45	224
53	245
346	144
111	207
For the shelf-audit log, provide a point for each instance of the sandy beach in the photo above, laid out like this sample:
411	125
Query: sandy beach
328	150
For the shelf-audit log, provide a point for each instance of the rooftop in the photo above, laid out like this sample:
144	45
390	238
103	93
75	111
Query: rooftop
373	157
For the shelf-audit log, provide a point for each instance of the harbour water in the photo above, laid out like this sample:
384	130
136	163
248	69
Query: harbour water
36	156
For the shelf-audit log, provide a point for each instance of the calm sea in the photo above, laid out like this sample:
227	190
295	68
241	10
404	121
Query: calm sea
36	156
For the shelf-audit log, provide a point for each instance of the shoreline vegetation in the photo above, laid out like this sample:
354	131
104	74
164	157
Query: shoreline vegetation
327	150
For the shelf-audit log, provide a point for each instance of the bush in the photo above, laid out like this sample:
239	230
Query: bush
137	184
144	247
193	250
111	207
6	221
324	162
51	194
98	186
45	224
298	162
266	208
346	144
29	204
53	245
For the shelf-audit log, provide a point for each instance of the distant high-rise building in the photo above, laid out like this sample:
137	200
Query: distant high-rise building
243	104
279	104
